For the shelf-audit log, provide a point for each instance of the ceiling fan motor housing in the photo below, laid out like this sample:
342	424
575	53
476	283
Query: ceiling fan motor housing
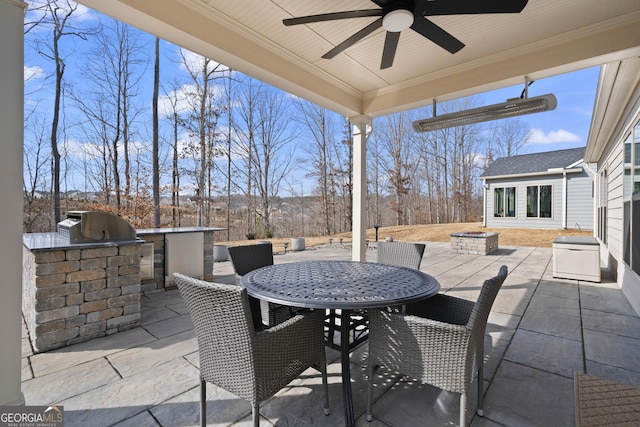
398	20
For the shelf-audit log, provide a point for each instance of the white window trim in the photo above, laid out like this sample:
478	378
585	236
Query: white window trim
553	211
504	201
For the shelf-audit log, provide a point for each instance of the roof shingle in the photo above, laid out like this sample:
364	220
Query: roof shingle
532	163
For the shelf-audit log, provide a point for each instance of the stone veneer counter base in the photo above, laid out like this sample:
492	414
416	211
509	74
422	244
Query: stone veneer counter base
74	293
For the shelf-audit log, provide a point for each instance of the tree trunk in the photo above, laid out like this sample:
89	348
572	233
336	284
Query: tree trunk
156	142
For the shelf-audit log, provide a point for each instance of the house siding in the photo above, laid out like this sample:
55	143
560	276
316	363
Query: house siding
611	254
581	199
612	161
521	220
614	201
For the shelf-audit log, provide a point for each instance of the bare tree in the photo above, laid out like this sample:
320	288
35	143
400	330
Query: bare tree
397	143
173	109
230	126
317	125
115	68
273	150
508	138
466	150
343	173
265	145
247	124
36	158
374	168
449	160
57	15
202	125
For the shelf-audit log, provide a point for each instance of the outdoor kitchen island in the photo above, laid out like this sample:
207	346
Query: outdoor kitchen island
73	292
86	280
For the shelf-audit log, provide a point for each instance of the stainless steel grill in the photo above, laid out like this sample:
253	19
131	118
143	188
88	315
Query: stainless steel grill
92	226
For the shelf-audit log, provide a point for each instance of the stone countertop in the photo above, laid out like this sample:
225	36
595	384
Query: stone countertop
474	234
172	230
53	241
576	240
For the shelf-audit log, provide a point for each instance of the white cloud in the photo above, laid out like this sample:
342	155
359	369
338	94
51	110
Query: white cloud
177	97
91	151
538	136
37	10
74	148
33	72
182	100
193	61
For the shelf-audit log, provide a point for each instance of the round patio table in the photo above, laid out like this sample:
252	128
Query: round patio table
344	285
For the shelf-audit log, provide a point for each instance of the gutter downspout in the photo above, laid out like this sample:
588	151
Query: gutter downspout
594	191
484	201
564	200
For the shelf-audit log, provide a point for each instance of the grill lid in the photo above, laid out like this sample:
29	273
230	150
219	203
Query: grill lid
92	226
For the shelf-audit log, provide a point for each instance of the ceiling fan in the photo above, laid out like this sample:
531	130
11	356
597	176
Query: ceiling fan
396	16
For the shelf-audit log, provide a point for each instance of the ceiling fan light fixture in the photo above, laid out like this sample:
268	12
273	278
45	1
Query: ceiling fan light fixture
397	20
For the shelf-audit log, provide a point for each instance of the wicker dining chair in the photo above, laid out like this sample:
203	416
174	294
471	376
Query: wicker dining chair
252	365
400	254
247	258
438	341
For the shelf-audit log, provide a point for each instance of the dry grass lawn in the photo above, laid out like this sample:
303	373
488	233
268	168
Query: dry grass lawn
438	233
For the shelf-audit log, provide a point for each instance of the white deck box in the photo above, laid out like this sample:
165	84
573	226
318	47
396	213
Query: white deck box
576	258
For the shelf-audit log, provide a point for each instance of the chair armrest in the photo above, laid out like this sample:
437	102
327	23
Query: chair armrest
405	334
302	327
445	308
433	333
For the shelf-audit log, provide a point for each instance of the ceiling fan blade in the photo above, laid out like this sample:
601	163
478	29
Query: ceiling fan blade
389	51
470	7
384	3
332	16
354	39
437	35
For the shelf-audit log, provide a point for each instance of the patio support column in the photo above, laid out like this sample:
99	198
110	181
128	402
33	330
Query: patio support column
361	131
11	148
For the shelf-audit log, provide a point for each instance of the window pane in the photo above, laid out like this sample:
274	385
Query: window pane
545	201
628	166
635	238
604	188
498	202
636	159
626	224
532	202
602	210
510	202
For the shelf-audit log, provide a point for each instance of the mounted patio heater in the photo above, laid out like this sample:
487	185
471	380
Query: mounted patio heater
512	108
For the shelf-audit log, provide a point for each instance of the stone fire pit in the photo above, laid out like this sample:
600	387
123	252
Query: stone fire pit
474	242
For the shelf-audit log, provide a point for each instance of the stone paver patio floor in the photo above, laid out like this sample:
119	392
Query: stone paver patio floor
541	330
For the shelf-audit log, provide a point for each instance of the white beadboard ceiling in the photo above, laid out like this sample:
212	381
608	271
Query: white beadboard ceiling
548	37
